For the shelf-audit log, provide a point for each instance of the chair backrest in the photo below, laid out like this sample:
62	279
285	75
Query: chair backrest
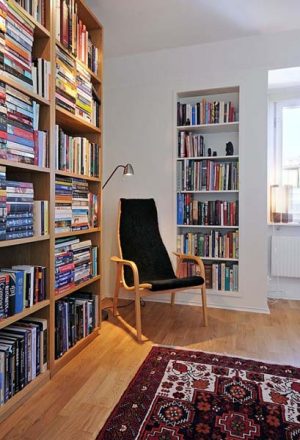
140	241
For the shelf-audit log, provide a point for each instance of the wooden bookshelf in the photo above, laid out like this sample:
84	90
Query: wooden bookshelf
212	125
40	250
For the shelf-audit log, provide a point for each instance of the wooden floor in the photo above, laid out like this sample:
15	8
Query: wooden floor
75	404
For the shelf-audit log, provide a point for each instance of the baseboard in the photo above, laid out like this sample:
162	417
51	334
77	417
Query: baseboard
190	302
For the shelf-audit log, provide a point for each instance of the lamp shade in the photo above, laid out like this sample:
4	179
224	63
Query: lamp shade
128	170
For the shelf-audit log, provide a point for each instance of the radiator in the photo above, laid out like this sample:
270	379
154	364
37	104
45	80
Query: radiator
285	256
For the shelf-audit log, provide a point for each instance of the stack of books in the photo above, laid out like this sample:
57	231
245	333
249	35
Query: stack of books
96	108
211	212
209	245
222	276
75	318
3	210
190	145
21	287
207	175
84	98
35	8
63	204
23	355
75	207
76	154
204	112
40	217
16	43
66	91
19	204
20	139
74	262
73	35
41	71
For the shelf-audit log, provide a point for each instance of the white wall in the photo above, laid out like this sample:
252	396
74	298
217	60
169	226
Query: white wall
139	118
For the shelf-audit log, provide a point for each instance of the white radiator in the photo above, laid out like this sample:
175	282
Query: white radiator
285	256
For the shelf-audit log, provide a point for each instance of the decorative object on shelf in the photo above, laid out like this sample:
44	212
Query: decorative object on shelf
280	204
229	148
127	171
215	154
209	152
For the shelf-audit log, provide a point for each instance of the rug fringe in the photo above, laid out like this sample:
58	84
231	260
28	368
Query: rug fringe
226	354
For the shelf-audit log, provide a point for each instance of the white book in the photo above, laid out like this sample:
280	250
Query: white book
29	270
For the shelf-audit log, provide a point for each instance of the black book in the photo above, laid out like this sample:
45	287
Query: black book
198	113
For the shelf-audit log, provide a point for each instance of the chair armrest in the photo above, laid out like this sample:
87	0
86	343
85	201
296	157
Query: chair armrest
197	260
133	267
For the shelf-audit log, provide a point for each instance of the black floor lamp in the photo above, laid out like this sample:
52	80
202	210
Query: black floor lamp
127	171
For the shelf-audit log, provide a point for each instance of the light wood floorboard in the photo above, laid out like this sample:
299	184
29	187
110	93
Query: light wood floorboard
77	401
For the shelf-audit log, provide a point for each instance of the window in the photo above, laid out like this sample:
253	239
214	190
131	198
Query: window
285	175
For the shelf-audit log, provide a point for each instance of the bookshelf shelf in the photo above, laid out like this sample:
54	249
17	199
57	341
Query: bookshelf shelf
18	399
26	90
19	241
211	128
77	287
77	176
207	227
73	351
75	233
42	183
235	157
214	114
75	124
26	312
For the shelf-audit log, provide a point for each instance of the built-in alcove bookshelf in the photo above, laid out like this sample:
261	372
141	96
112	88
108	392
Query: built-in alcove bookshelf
58	251
207	185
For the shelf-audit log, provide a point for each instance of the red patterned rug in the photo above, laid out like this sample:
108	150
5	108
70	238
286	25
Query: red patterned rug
185	394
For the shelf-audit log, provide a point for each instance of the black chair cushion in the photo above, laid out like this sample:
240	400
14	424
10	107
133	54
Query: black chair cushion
141	241
175	283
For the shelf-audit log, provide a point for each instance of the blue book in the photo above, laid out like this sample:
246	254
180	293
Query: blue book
193	115
227	278
19	282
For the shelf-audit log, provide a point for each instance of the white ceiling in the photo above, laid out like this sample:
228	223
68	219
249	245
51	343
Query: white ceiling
134	26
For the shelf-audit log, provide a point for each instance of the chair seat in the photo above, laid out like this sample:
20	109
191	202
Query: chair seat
175	283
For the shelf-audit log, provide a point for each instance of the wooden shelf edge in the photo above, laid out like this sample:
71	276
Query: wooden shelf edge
73	351
208	226
84	124
40	30
18	399
8	80
77	287
231	191
219	124
7	243
24	166
74	233
26	312
220	259
235	157
78	176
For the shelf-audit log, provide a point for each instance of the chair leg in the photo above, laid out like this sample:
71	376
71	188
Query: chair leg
116	292
204	310
138	320
173	298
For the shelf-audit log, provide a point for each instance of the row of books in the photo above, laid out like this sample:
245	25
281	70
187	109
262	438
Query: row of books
20	215
190	144
75	262
75	207
207	175
36	8
222	276
23	355
75	318
205	112
73	34
20	139
76	154
213	244
211	212
16	43
21	287
74	89
41	71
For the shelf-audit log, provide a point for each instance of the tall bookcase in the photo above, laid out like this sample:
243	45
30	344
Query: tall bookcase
207	184
40	250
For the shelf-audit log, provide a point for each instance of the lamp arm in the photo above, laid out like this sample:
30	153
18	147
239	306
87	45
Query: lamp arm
118	166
